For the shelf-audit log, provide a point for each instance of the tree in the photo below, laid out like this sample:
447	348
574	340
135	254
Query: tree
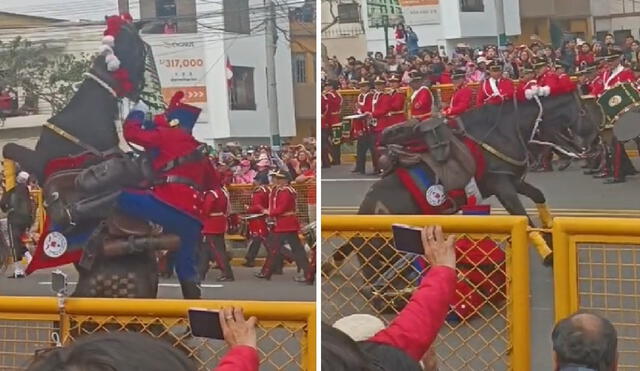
42	73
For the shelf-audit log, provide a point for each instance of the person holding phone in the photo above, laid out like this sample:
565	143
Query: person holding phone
403	343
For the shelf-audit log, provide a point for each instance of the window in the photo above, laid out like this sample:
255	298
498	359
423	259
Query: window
299	65
236	16
621	35
472	5
165	8
348	13
242	92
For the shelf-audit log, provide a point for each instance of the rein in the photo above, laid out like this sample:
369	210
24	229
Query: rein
101	82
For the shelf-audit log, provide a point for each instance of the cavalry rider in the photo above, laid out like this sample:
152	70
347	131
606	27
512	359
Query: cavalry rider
495	90
462	98
183	171
614	73
565	84
334	108
398	101
547	79
282	207
258	228
361	129
421	99
528	87
216	209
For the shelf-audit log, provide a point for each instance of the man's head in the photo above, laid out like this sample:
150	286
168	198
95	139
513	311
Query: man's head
628	40
609	39
495	70
528	74
587	340
280	177
416	80
364	85
458	77
394	81
614	58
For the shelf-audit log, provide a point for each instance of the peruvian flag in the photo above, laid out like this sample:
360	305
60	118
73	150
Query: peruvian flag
229	73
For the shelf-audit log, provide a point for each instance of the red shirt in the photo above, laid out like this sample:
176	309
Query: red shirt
216	211
397	102
421	103
259	201
461	101
381	103
169	144
587	58
486	94
565	85
522	88
445	78
282	207
364	104
417	325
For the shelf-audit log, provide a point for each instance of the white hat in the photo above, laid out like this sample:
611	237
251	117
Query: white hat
359	327
22	177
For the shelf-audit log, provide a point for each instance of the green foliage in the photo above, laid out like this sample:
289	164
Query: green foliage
42	72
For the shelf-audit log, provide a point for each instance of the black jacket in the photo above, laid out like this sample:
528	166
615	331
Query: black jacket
17	204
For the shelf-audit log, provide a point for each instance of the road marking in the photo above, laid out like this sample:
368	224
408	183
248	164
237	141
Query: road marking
204	285
351	180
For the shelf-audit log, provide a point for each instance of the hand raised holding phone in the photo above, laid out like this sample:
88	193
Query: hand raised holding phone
237	330
437	249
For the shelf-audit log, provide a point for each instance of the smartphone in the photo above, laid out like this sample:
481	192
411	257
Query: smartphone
407	238
205	323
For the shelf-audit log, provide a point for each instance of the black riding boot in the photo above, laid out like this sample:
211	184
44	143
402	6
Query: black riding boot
190	290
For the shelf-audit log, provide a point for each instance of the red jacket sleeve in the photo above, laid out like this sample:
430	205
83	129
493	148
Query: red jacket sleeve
380	109
507	89
397	102
209	203
284	203
480	97
417	325
258	202
461	103
133	132
239	358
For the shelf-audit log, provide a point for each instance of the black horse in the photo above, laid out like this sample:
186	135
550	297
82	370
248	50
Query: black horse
503	132
86	127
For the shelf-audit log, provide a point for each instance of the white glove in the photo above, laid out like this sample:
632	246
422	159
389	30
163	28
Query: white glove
140	106
544	91
530	93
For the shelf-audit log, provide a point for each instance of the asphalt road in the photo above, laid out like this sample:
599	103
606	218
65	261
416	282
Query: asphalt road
245	287
569	193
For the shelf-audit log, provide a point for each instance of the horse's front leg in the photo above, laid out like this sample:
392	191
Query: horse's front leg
536	195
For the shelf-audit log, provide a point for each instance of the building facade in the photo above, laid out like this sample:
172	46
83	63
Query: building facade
303	64
552	19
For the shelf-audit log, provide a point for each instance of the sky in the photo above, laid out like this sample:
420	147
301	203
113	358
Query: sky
72	10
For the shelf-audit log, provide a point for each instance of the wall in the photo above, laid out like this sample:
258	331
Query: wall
347	46
13	20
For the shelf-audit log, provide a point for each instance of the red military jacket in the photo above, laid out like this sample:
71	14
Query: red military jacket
595	86
549	83
324	117
397	113
335	107
421	103
565	84
169	144
381	103
259	202
461	101
526	91
611	78
364	104
216	209
282	207
487	95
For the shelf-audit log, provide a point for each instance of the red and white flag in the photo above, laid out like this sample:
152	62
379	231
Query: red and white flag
229	73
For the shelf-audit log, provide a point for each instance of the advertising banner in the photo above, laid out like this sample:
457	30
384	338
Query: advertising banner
420	12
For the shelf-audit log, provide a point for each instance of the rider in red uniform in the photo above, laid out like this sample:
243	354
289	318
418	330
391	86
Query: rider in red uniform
397	114
216	210
548	82
421	99
495	89
528	87
462	98
282	207
183	171
361	129
258	228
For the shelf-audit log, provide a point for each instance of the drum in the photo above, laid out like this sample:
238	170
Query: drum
336	131
627	126
618	99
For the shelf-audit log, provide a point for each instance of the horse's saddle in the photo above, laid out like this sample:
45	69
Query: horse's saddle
432	142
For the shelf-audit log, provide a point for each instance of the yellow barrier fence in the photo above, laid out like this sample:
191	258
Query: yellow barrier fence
286	330
363	273
597	268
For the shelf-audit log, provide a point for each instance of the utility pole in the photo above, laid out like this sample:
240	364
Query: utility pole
272	91
385	26
123	6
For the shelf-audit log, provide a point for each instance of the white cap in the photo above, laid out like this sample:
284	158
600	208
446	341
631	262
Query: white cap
359	327
22	177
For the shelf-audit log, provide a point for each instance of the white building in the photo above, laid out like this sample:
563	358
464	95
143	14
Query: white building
620	17
438	23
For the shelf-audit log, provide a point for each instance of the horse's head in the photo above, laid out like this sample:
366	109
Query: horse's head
568	121
124	55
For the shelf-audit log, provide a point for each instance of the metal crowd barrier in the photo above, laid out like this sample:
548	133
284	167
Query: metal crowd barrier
286	330
597	268
495	335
